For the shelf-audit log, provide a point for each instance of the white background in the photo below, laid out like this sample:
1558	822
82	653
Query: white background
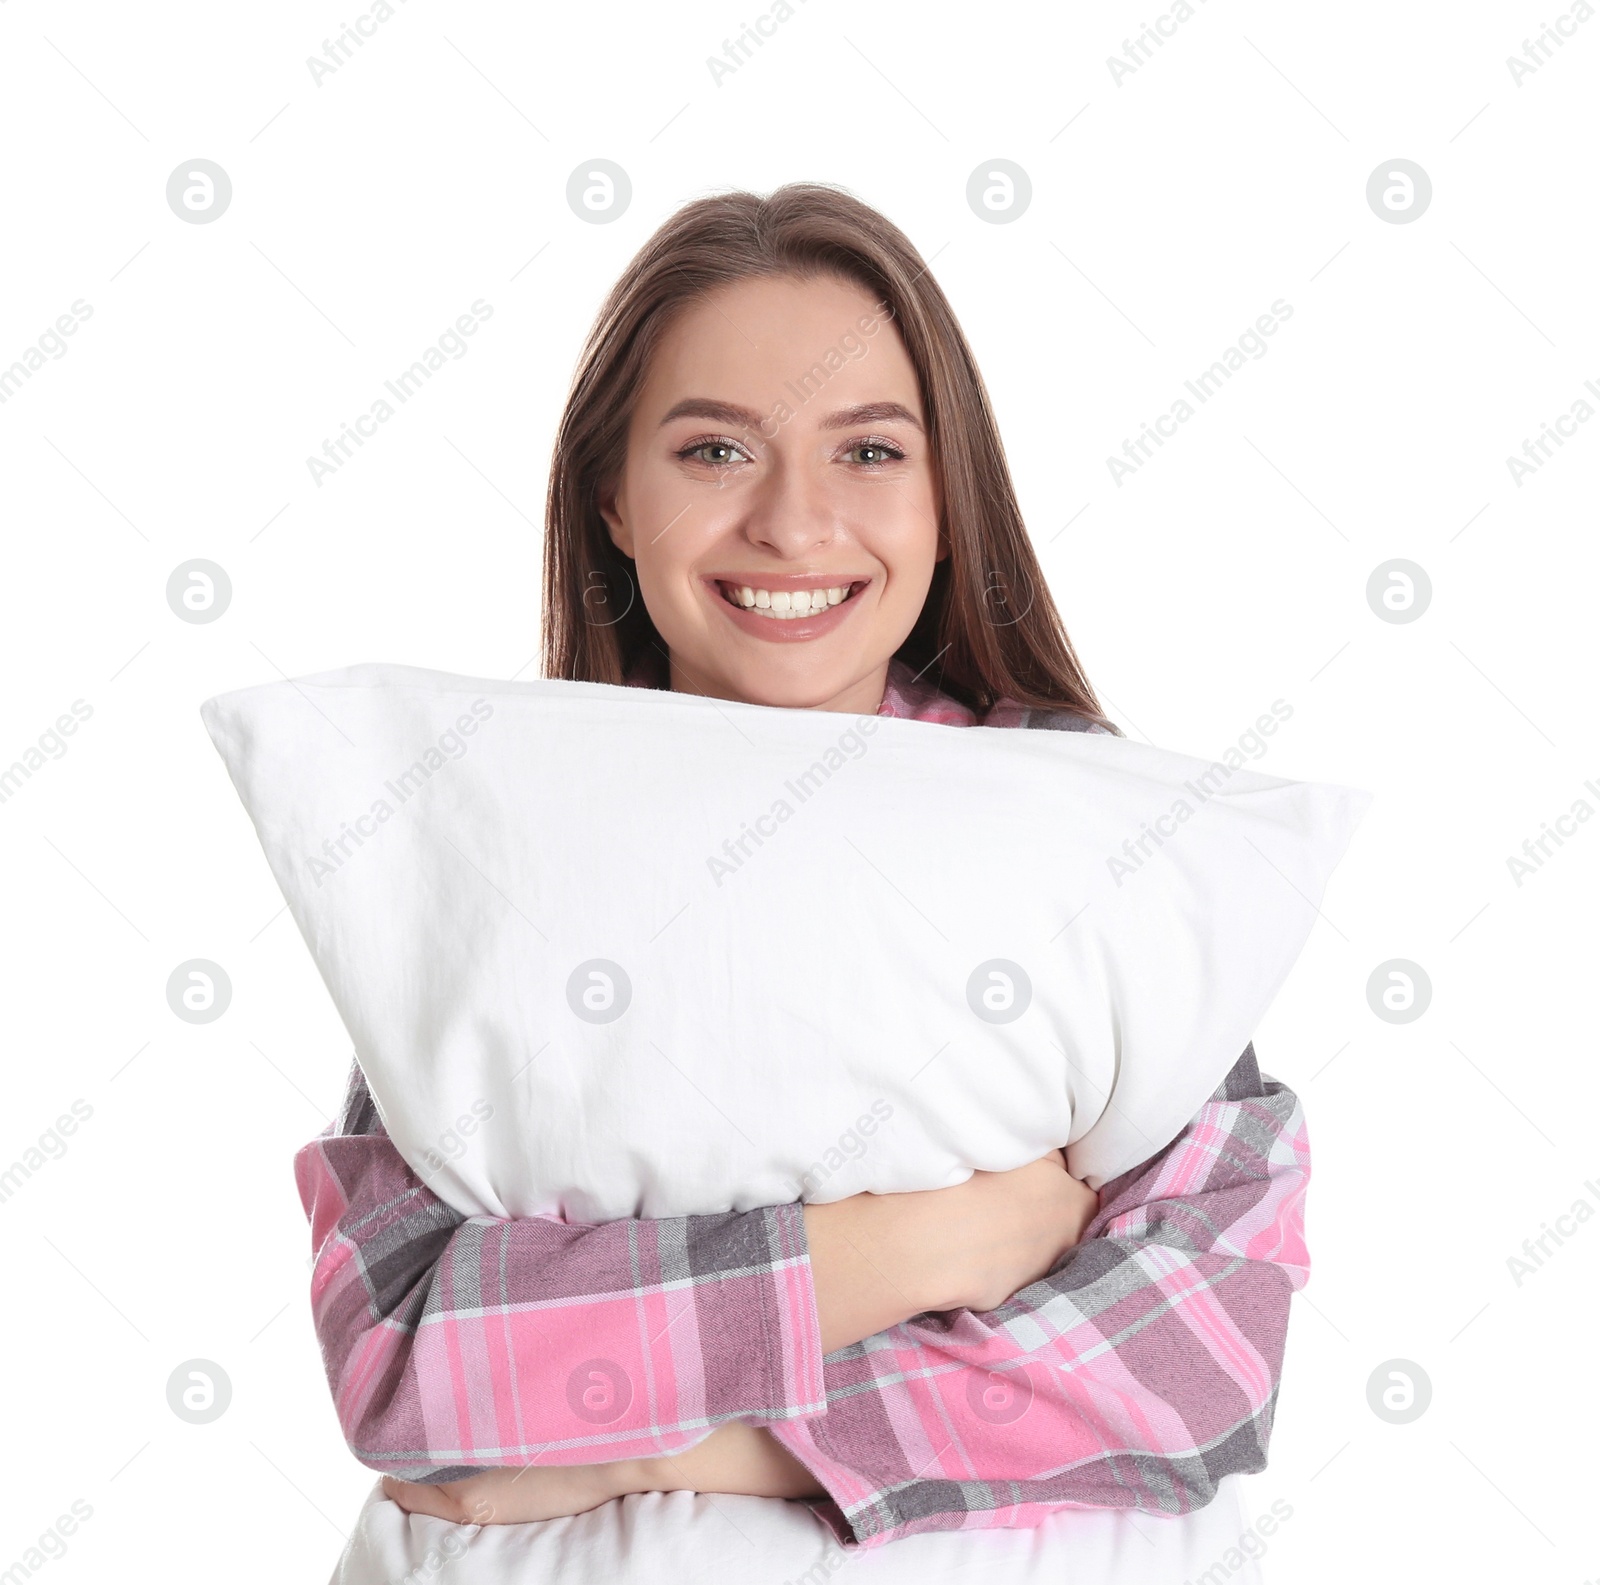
1168	212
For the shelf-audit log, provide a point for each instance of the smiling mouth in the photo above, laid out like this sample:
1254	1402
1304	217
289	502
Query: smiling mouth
787	605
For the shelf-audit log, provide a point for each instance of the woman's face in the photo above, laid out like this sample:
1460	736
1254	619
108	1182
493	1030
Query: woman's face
778	463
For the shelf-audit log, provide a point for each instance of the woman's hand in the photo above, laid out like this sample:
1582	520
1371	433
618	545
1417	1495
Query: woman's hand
879	1259
1005	1230
736	1458
513	1496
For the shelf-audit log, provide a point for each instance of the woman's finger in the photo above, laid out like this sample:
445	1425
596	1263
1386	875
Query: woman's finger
416	1497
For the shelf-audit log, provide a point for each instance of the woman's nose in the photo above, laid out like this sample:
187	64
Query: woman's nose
791	511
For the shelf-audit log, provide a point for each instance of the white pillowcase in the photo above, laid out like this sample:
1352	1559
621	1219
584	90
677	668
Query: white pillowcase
610	952
718	1539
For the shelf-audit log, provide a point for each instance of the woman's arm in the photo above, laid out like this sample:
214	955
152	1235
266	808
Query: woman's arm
737	1459
973	1243
454	1344
1140	1369
1138	1373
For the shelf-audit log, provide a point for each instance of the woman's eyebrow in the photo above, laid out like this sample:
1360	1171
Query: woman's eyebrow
732	414
872	413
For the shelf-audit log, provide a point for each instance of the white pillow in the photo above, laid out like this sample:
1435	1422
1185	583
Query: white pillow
610	952
720	1539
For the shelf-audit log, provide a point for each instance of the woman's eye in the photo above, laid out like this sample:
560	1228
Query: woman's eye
723	453
885	453
695	451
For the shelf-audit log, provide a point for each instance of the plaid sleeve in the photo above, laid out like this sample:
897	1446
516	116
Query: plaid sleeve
1137	1374
454	1344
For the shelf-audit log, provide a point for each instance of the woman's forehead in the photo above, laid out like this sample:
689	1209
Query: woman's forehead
755	342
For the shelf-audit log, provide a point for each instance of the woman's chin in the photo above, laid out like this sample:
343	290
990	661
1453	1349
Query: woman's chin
799	685
783	676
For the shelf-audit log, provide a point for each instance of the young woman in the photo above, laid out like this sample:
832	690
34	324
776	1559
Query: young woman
778	480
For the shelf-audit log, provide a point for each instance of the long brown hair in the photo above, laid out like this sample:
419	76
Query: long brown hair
988	629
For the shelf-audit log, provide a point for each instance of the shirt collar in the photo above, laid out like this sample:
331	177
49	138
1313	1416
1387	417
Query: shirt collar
911	698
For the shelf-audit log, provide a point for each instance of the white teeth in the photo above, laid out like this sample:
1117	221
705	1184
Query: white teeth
785	605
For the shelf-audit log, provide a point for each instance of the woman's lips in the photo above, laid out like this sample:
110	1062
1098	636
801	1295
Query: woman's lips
759	619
